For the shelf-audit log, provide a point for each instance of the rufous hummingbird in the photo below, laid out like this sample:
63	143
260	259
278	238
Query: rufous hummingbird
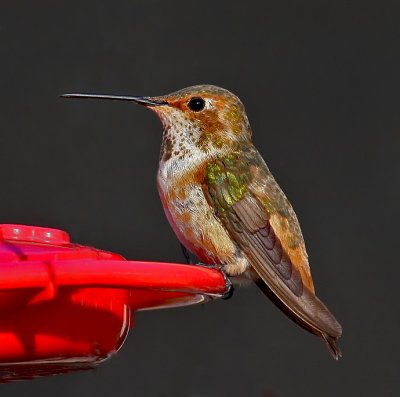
225	206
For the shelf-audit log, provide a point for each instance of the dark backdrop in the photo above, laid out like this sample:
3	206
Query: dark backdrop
320	81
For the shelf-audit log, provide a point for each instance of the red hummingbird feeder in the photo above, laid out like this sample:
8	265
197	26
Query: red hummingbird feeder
66	307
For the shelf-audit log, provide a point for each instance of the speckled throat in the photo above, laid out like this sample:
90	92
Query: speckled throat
185	146
179	137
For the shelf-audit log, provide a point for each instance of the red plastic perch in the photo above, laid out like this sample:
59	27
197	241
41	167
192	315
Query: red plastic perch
65	306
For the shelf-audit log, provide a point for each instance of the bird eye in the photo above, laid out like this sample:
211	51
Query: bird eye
196	104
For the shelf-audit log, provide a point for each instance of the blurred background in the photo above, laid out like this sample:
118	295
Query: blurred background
320	82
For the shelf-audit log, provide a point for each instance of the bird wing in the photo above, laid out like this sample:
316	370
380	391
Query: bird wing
230	188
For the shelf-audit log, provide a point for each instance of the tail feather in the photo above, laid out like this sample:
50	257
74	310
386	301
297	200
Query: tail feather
330	340
333	346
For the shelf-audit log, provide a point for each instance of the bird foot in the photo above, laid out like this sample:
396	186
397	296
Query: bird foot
228	283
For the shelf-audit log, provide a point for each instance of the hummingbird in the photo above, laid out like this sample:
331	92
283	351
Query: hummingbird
225	206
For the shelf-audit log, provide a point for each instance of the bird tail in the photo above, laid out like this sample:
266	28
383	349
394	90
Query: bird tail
324	329
332	345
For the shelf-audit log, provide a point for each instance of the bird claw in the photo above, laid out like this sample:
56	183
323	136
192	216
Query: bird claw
229	290
210	266
228	283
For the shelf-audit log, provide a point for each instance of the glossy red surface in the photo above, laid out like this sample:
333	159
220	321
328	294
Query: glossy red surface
65	306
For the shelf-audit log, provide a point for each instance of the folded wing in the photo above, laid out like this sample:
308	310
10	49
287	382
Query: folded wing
248	221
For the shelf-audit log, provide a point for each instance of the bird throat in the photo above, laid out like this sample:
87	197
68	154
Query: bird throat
181	158
188	143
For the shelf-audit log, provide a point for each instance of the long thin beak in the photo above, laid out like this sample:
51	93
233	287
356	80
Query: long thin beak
141	100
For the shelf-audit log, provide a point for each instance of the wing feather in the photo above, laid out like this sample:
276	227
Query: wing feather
249	223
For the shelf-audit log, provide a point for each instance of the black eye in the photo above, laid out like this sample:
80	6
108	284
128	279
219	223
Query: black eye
196	104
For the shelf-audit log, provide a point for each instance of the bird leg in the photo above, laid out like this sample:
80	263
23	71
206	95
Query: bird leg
188	257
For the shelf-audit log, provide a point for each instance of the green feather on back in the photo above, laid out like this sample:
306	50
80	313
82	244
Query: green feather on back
230	178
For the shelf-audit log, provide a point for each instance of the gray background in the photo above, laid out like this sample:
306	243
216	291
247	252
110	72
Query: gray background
320	81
